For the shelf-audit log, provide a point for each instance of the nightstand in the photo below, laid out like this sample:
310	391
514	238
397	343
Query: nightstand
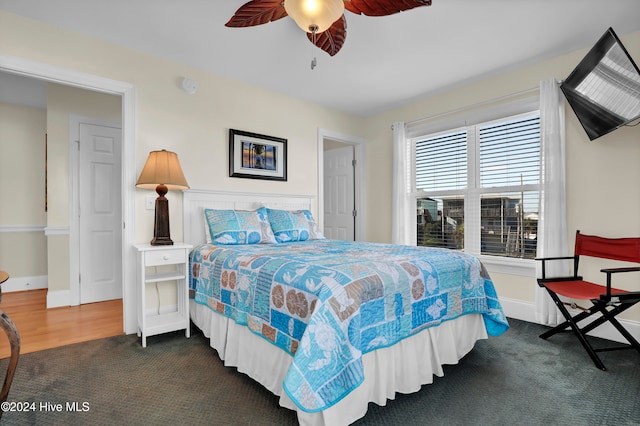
157	265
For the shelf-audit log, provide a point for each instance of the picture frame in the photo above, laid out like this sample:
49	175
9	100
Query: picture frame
256	156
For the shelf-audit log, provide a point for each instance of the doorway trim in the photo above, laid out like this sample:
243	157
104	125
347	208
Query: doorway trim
360	156
40	71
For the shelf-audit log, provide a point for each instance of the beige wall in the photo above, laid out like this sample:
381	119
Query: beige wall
194	126
22	159
602	175
62	103
22	152
22	179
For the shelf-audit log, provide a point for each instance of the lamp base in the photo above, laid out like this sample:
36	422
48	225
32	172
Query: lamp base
161	242
161	234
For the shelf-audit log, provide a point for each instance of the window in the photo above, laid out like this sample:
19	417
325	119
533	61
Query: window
477	187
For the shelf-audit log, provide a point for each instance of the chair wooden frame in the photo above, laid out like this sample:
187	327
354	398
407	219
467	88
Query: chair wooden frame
7	325
606	300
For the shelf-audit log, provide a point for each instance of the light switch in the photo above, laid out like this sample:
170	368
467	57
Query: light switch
150	202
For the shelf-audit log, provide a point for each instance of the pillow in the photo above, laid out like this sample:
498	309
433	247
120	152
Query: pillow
295	225
234	227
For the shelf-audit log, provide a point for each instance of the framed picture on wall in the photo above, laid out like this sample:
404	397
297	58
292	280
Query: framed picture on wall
257	156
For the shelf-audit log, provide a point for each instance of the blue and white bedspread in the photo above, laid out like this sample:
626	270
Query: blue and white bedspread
328	302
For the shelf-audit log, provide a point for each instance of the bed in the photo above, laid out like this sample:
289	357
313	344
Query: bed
328	326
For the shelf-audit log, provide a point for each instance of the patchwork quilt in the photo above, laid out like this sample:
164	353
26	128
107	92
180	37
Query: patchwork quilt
328	302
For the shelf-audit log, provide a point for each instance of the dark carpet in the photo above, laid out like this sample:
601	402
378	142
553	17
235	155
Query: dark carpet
516	378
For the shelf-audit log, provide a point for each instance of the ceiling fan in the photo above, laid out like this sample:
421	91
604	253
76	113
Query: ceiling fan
323	20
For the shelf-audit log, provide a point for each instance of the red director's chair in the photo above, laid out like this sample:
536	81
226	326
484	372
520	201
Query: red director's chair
608	301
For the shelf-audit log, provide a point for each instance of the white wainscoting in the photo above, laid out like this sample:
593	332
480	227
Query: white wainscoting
56	230
22	228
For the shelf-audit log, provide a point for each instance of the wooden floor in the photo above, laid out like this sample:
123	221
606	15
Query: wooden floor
41	328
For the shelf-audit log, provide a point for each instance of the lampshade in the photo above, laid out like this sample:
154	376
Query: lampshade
162	168
162	172
316	15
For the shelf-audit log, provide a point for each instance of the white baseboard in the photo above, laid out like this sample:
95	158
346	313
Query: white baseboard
58	298
525	311
518	309
25	283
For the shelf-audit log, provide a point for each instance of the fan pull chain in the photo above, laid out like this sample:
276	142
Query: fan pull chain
314	30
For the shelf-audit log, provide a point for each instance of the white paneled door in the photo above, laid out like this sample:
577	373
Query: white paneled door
100	213
339	194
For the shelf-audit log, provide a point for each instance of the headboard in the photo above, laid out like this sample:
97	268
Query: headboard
194	201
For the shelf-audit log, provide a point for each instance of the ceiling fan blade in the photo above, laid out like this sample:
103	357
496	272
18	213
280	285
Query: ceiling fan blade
382	7
332	39
257	12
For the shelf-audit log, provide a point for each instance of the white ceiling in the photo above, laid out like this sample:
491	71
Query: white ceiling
385	62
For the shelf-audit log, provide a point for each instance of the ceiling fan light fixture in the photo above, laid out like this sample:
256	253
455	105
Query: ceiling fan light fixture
314	15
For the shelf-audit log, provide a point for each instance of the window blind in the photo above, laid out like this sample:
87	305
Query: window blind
510	152
441	162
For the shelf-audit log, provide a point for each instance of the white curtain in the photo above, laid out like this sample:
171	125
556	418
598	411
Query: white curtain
400	200
552	225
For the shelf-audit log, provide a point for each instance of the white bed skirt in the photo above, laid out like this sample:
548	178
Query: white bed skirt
403	368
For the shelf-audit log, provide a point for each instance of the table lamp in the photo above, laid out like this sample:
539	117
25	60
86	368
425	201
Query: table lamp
162	172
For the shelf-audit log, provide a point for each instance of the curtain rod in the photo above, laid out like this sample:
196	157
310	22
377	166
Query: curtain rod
479	104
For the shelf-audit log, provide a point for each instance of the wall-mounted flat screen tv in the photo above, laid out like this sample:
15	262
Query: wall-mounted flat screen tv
604	89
